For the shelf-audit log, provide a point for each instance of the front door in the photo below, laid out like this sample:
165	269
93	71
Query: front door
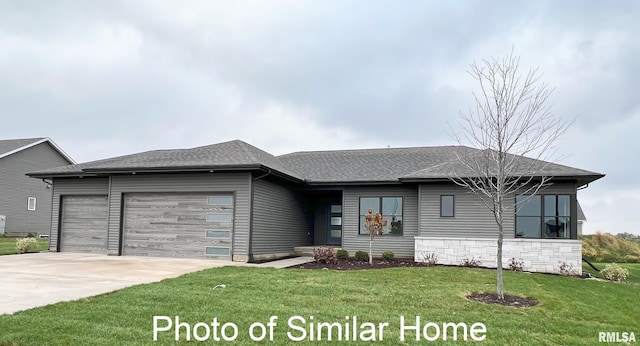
334	229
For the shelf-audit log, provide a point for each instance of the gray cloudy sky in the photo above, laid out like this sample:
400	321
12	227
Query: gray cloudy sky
116	77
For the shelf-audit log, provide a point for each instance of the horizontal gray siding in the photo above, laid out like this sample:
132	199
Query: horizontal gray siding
400	245
236	183
472	218
72	187
281	219
16	187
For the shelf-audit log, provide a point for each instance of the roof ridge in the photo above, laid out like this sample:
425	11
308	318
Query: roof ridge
374	149
244	147
26	143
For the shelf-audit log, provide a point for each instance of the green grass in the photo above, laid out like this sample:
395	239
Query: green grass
8	246
633	268
571	310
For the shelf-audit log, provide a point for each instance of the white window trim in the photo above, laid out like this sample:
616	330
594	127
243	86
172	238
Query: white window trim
29	206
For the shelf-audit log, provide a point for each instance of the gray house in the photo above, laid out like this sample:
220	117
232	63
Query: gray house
234	201
25	204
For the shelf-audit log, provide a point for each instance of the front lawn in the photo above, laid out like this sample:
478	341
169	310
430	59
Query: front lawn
571	311
8	245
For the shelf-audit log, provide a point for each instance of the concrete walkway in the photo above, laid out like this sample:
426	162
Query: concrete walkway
32	280
288	262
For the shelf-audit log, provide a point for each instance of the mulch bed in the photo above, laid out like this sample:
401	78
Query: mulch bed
492	298
352	264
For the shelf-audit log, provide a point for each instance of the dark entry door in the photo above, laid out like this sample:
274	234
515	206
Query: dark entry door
334	228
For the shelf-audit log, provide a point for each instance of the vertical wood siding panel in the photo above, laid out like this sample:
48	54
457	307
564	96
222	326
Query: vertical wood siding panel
400	245
281	219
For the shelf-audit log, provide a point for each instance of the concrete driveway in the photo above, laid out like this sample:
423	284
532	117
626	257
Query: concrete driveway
32	280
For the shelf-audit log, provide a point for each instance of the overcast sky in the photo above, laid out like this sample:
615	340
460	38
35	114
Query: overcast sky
110	78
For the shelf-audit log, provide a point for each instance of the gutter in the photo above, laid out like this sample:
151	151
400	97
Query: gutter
158	170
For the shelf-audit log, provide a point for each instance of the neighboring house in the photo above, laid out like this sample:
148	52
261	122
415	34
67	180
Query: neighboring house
25	203
234	201
581	219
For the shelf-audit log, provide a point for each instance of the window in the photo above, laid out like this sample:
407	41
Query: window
219	217
447	206
31	203
218	233
389	207
547	216
557	216
216	251
220	200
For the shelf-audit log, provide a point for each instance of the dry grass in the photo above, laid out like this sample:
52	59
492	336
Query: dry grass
604	247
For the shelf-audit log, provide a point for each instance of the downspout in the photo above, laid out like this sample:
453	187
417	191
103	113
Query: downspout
50	186
583	187
250	245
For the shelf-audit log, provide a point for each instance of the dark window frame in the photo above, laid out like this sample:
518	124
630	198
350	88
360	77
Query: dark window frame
362	213
453	206
542	217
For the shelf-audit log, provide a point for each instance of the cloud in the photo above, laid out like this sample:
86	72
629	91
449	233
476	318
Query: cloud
112	78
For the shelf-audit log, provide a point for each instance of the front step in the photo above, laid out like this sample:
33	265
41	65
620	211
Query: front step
308	250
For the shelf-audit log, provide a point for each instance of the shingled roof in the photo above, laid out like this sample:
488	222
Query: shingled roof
367	165
390	165
233	155
519	166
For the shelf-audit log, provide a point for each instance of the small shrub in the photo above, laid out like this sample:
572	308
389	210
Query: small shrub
324	254
26	244
517	265
388	255
567	269
614	272
342	254
430	259
31	235
471	262
362	256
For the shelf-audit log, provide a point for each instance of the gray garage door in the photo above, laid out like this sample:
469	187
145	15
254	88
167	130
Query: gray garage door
178	225
84	224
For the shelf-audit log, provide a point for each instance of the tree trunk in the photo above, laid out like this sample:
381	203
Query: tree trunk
500	285
370	252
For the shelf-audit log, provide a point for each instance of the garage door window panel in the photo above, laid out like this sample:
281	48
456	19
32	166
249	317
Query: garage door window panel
218	234
219	217
217	251
220	200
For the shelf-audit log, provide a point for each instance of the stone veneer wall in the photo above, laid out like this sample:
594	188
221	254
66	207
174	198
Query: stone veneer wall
538	255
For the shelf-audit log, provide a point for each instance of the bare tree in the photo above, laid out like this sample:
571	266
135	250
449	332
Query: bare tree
512	125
